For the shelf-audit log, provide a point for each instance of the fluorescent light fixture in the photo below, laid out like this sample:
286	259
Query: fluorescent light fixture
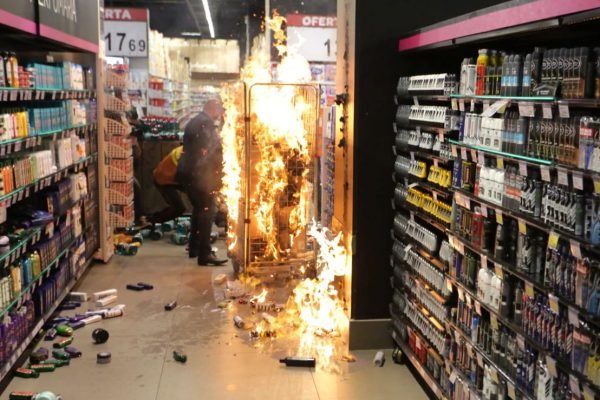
211	28
191	34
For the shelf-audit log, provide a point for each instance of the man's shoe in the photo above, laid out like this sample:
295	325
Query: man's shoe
211	259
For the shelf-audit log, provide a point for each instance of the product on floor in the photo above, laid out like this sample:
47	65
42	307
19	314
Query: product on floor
100	335
170	306
179	357
26	373
135	287
103	357
306	362
105	293
379	359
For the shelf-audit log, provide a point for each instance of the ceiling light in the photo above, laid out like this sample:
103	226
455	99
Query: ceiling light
211	28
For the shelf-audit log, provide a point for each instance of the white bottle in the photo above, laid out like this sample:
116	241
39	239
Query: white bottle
496	286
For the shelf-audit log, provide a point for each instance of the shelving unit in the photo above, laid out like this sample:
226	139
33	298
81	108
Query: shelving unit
521	246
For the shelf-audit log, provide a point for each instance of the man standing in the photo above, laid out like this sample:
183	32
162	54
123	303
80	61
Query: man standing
199	173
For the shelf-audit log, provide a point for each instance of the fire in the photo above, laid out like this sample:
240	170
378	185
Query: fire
261	298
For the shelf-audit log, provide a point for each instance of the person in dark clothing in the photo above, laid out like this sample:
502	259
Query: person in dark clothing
199	172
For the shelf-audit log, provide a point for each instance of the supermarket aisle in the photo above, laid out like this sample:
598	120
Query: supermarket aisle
220	365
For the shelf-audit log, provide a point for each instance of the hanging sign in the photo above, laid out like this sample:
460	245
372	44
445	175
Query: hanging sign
126	32
313	36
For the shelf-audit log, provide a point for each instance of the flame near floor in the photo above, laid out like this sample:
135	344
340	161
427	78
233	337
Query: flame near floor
221	363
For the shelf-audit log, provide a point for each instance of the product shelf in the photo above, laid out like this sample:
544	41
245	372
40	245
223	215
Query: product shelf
9	147
560	364
10	364
25	191
10	94
422	154
516	157
426	375
32	237
439	225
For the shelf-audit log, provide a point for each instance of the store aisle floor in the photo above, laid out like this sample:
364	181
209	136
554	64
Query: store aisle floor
220	365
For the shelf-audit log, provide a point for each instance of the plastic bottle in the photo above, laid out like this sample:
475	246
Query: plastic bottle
526	85
482	63
14	73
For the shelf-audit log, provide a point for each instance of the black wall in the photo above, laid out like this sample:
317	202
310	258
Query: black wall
379	25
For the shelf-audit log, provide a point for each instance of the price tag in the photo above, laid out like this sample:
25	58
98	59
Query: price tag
50	229
484	211
574	385
20	196
454	151
522	227
453	376
551	363
463	153
477	307
129	38
481	158
573	317
499	271
449	285
563	177
575	249
522	168
454	103
473	155
577	181
529	289
416	101
480	360
461	294
472	105
553	240
461	105
39	140
494	321
484	260
510	389
547	111
499	219
526	109
494	373
18	146
563	110
2	150
468	300
500	162
545	173
412	156
553	300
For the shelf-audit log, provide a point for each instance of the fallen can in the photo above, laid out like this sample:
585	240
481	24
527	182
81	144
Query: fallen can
26	373
63	343
239	322
103	357
64	330
72	352
43	367
179	357
100	335
170	306
21	396
61	355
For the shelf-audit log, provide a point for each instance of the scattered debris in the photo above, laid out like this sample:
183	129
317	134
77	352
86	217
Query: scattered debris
179	357
100	335
134	287
72	352
220	279
307	362
26	373
239	322
103	302
235	289
349	358
78	296
63	343
103	357
104	293
170	306
64	330
21	396
146	286
61	355
379	359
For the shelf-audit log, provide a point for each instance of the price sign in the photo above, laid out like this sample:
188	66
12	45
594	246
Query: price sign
547	110
577	181
563	110
526	110
126	32
563	177
314	36
551	363
522	169
545	173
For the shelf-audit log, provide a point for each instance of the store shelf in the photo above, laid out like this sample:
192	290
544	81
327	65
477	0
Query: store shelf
25	191
510	156
10	364
8	94
488	360
426	375
528	220
9	147
420	153
32	237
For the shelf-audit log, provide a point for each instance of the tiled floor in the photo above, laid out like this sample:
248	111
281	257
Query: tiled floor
220	364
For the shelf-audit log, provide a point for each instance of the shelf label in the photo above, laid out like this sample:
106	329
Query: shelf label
484	210
481	157
563	111
577	181
412	156
522	168
547	111
461	294
454	151
510	388
522	227
574	385
553	300
563	177
500	162
454	104
551	363
461	105
494	321
499	271
529	289
453	376
463	153
497	106
468	300
575	249
499	219
477	307
472	105
494	373
480	360
553	240
573	317
474	155
483	261
449	284
526	109
545	173
416	101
